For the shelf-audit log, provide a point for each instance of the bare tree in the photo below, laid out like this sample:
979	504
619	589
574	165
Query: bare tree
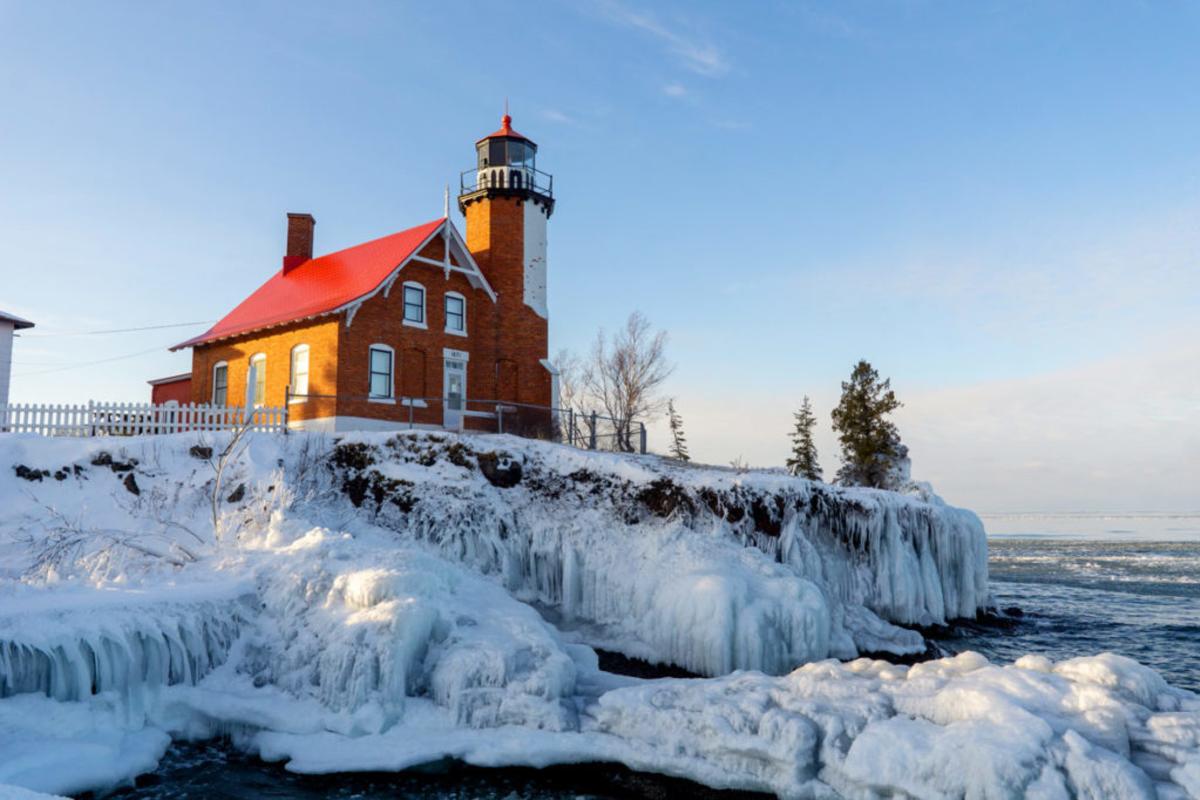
624	374
221	465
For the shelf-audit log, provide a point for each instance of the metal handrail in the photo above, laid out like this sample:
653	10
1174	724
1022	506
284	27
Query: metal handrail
537	181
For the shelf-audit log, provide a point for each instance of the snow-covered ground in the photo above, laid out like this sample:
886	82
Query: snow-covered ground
380	602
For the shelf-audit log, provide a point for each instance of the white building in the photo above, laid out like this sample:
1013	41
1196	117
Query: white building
9	324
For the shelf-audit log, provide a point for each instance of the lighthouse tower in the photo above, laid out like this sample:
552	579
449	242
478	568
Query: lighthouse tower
507	202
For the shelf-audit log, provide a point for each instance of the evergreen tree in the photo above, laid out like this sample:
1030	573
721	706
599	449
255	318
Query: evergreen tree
803	461
679	449
872	454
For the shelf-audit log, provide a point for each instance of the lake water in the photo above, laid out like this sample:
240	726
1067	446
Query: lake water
1085	583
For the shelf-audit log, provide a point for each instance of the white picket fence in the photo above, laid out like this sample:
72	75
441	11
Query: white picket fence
134	419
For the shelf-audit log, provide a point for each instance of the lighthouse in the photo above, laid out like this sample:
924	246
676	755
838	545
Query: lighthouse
507	202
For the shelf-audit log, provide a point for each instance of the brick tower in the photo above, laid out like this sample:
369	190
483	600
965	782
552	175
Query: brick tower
507	202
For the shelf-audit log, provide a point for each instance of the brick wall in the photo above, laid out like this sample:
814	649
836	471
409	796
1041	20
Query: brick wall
495	236
321	336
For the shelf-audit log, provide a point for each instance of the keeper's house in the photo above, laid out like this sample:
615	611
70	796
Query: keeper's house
424	322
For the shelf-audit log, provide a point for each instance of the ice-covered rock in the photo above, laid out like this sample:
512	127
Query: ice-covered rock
370	605
653	556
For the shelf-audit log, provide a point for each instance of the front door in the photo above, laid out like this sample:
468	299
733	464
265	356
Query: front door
454	393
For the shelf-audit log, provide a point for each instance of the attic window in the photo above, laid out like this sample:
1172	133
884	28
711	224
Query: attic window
414	304
456	313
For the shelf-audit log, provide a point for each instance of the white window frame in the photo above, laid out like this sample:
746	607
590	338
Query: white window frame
213	395
297	390
259	358
446	312
424	321
391	396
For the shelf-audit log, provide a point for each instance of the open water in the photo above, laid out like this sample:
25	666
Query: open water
1084	584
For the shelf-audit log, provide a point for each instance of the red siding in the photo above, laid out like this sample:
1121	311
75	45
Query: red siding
178	390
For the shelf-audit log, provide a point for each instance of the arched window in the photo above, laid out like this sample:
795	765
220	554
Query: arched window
516	180
414	304
382	367
220	383
298	379
483	180
456	314
256	380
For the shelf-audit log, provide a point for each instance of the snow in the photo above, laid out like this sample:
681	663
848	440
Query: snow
387	604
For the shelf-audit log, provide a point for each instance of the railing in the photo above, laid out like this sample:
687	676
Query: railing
135	419
585	430
479	178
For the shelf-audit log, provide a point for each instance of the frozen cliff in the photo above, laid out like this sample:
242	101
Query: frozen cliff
376	603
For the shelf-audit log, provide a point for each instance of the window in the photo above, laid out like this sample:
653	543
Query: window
381	367
414	304
220	384
258	379
299	373
456	313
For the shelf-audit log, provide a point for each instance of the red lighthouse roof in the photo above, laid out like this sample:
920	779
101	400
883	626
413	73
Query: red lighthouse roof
506	129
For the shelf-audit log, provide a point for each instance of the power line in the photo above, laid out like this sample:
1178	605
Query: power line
119	330
83	364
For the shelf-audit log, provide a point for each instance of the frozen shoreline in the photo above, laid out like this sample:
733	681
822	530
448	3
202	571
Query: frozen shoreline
395	630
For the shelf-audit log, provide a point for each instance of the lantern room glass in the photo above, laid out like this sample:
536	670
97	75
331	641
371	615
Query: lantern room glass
502	151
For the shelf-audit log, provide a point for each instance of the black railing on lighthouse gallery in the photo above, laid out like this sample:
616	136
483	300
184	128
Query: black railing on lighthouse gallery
505	177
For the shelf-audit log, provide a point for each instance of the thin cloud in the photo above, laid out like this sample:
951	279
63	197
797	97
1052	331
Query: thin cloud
675	90
697	54
554	115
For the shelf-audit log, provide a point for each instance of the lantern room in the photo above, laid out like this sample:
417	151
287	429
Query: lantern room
506	164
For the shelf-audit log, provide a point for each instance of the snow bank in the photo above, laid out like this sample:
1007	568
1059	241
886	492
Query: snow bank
370	605
958	727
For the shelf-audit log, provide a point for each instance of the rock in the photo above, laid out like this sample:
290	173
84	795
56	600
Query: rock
664	497
501	470
131	484
102	459
238	494
200	451
31	474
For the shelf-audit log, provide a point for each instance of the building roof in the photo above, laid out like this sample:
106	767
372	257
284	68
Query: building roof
18	322
336	281
506	129
183	376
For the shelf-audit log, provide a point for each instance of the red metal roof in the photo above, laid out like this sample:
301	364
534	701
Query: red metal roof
506	129
320	285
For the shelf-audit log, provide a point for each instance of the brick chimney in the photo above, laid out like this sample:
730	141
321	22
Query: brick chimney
299	241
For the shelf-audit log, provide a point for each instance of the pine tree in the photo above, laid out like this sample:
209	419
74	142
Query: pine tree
679	449
803	461
872	454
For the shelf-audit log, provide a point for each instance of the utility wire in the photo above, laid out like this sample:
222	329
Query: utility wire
83	364
118	330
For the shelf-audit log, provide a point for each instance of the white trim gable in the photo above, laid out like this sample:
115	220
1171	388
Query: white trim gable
454	251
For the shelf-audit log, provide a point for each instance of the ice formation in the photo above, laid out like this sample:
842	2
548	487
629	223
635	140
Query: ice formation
379	603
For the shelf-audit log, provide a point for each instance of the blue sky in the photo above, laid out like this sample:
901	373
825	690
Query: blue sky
998	204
